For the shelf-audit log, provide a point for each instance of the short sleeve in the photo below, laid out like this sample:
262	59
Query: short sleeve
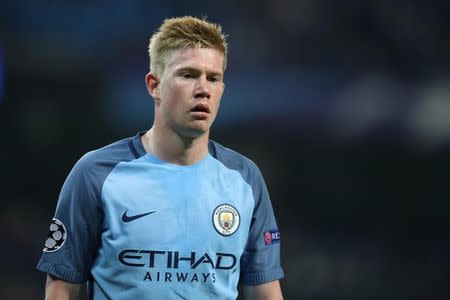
74	232
260	262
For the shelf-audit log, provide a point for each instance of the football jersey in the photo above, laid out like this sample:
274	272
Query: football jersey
136	227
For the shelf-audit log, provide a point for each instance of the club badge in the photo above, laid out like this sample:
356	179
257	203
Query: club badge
226	219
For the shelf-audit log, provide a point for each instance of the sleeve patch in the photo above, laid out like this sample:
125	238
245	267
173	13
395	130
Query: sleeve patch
56	237
271	237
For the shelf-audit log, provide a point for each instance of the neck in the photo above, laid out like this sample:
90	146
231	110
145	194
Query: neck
173	148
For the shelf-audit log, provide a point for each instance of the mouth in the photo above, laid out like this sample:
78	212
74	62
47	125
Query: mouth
200	112
200	108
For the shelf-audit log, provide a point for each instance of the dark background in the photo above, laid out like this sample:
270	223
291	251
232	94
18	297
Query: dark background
344	105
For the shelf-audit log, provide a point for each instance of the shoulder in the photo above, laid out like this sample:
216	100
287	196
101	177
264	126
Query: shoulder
235	161
95	165
108	155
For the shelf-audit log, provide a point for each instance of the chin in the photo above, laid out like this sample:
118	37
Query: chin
194	132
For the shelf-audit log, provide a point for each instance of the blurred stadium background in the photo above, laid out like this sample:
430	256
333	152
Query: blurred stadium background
345	106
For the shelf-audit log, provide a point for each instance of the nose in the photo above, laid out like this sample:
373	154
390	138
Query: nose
202	88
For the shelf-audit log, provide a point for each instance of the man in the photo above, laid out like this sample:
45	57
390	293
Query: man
167	214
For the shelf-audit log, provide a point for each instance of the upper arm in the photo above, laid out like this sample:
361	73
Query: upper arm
74	233
267	291
260	261
62	290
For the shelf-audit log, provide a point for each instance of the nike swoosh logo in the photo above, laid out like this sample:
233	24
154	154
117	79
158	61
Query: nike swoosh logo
127	219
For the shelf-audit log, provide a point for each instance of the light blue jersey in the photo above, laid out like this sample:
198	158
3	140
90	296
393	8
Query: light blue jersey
137	227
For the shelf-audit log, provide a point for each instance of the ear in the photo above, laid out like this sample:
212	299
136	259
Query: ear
152	82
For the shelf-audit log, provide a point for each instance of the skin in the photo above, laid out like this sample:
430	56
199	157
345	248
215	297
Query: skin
57	289
267	291
193	76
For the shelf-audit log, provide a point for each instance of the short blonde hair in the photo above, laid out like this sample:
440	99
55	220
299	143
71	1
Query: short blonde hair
181	33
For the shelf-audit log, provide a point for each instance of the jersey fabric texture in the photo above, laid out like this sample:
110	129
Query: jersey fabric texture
137	227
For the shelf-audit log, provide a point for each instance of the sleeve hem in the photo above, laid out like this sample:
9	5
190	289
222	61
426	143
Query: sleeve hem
61	272
261	277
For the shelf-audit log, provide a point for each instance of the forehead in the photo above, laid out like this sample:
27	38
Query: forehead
207	59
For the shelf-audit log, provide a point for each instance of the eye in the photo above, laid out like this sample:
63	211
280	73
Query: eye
187	75
214	79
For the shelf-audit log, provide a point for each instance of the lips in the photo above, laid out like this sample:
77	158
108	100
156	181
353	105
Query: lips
200	112
201	108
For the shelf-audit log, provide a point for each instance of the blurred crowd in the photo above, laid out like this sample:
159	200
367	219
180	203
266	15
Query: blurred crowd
345	105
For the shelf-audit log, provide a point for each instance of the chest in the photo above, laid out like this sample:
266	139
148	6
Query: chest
184	212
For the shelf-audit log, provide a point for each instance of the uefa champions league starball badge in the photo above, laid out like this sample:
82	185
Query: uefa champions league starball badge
56	236
226	219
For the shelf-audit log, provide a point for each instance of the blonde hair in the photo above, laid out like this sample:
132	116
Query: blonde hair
181	33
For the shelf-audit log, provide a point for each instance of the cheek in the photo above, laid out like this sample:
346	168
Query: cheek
178	91
171	95
218	97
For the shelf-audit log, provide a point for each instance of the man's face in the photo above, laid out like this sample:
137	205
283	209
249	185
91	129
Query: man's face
189	91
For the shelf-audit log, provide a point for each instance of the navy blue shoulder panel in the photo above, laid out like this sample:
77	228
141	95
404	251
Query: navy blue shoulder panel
97	164
80	210
234	161
260	262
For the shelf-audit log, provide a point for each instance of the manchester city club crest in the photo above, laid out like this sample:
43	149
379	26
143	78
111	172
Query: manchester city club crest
226	219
